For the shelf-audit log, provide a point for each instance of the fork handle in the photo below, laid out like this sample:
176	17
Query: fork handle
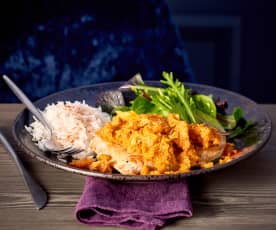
38	194
25	100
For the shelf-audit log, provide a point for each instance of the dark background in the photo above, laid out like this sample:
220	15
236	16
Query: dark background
231	44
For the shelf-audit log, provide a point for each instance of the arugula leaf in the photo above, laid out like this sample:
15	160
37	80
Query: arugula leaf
173	99
177	89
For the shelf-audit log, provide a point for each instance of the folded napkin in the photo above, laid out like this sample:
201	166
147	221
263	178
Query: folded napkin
137	205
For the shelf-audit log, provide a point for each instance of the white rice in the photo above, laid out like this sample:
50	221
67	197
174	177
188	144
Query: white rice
73	124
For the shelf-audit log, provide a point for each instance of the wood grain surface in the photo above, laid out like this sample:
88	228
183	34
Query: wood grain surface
242	196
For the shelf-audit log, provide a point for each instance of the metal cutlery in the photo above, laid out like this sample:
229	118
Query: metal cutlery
39	195
50	145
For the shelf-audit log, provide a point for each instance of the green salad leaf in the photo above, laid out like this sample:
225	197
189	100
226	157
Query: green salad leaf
205	104
230	121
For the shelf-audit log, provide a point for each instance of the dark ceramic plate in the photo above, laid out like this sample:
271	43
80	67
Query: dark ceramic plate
88	93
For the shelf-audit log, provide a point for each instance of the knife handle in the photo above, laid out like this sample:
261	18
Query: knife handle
39	196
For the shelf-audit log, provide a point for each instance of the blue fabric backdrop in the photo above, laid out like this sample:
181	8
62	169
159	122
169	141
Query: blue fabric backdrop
86	42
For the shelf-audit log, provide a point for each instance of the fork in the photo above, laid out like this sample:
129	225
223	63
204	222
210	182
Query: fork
51	144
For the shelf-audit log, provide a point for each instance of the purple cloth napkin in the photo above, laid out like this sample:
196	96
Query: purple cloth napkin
137	205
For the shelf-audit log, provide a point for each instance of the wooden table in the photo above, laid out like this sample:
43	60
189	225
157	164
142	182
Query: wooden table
242	196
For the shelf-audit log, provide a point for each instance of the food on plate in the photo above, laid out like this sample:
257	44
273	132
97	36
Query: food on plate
160	130
73	124
142	144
